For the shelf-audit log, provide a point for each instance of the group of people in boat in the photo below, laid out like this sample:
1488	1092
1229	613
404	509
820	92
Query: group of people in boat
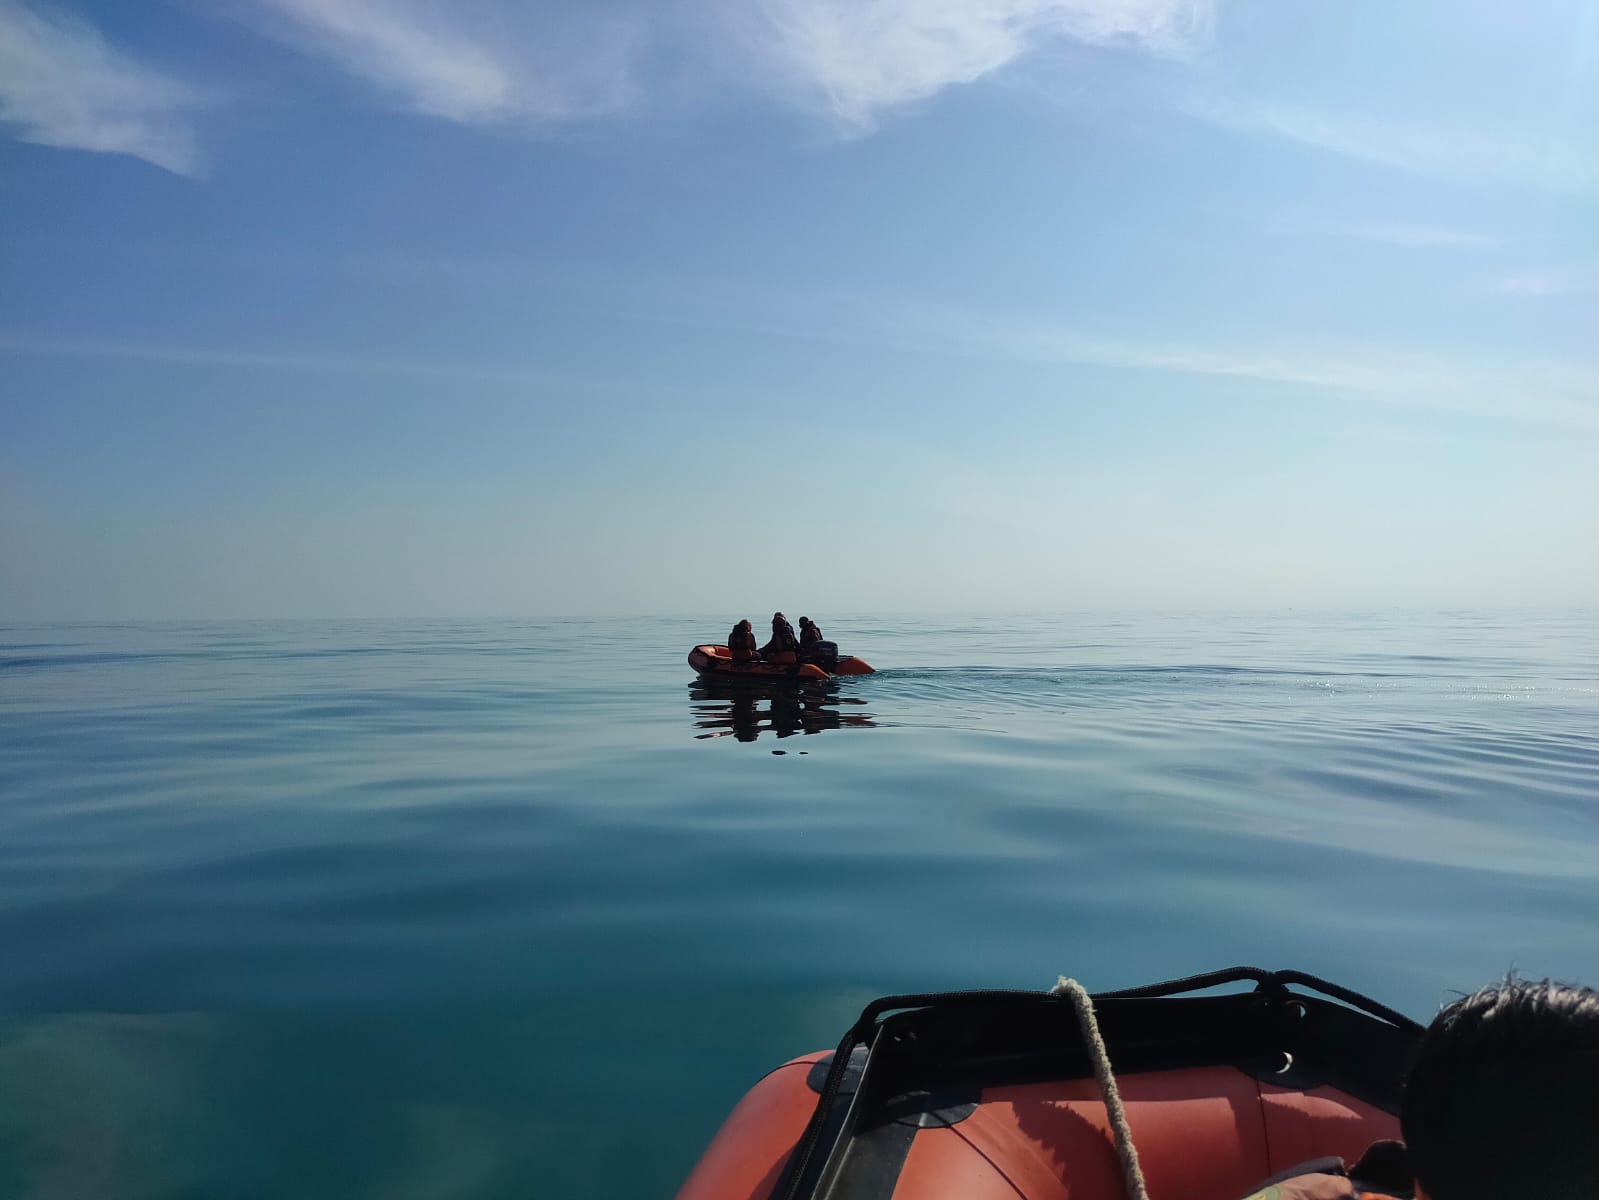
785	647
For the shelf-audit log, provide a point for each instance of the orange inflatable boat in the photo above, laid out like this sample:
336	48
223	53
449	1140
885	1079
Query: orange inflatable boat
993	1096
717	661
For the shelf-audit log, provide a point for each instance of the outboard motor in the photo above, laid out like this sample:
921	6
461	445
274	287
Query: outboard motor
823	654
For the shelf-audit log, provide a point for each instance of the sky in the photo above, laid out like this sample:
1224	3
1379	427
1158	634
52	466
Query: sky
345	308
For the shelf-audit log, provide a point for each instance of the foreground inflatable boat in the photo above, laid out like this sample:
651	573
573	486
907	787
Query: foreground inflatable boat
993	1095
717	662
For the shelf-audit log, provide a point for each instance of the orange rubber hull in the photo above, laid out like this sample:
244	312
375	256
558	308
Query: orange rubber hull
1209	1133
716	662
992	1095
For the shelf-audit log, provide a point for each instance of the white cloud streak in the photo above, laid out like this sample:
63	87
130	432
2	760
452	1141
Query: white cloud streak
1452	153
1557	281
1505	388
192	356
1419	237
858	59
439	74
465	63
1552	392
62	85
852	60
1547	392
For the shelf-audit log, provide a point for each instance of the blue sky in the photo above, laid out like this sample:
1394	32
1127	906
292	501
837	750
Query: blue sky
387	307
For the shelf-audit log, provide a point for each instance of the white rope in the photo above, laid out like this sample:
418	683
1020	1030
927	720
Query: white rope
1132	1175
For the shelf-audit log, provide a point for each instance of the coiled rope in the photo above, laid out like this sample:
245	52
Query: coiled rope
1132	1174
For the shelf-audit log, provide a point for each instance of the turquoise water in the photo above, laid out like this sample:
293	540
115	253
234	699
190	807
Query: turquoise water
510	908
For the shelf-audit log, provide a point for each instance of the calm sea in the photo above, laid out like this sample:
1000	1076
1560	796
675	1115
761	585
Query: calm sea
480	909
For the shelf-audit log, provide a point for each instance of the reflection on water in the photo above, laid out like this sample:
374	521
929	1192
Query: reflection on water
745	710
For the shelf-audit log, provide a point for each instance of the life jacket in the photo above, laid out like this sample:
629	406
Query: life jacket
810	635
1286	1189
783	638
741	643
1383	1173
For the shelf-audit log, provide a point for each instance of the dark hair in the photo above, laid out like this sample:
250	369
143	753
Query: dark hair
1503	1095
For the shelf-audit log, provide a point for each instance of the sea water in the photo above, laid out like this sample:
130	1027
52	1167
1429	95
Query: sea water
479	909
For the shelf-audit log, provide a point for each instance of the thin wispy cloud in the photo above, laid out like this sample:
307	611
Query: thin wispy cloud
1413	236
859	59
1454	153
1556	281
1050	341
486	62
1554	392
1559	393
851	60
199	356
1530	389
467	62
62	84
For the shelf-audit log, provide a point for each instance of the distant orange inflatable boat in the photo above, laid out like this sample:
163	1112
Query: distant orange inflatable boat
717	662
992	1096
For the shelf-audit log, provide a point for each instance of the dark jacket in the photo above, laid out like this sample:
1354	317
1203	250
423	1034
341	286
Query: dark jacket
783	639
741	642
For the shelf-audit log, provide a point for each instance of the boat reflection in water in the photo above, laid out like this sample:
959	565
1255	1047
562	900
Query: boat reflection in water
745	710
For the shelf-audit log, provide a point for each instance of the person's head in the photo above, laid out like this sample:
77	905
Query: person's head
804	621
776	617
745	624
1503	1096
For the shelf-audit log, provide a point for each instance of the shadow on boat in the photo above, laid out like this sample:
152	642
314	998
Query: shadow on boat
746	709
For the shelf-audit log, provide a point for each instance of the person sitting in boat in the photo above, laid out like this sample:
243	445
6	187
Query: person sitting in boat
784	646
1502	1100
741	642
814	648
1503	1095
809	634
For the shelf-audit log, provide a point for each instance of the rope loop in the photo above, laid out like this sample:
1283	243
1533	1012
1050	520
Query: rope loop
1088	1023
